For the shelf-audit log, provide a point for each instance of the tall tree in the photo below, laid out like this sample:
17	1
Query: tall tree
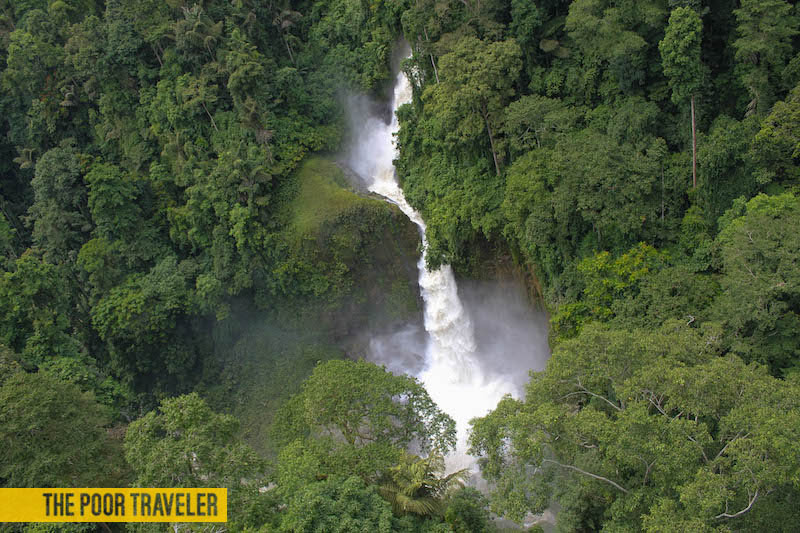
186	444
35	316
680	55
355	418
363	403
777	145
468	512
140	320
477	82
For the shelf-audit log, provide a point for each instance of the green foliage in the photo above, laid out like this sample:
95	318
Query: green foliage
185	444
606	172
8	364
641	422
764	33
587	188
54	435
365	404
349	41
477	82
526	19
36	321
136	319
356	419
617	37
607	282
726	168
58	213
7	234
418	485
534	121
112	202
320	199
777	144
158	134
32	54
642	287
338	505
467	511
758	302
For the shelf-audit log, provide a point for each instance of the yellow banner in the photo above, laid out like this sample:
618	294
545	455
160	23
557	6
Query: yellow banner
113	505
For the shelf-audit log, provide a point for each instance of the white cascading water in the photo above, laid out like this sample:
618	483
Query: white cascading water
451	374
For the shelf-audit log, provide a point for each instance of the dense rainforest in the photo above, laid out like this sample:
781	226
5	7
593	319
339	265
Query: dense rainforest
184	266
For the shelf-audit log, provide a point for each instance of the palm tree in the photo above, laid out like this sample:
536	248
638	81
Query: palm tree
416	486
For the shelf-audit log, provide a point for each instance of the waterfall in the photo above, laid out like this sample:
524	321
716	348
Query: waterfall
451	372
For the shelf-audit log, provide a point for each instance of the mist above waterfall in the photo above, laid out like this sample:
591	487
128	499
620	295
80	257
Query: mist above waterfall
510	338
511	334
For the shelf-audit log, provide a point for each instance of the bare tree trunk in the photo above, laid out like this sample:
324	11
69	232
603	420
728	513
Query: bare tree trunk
288	49
209	116
491	139
694	149
155	51
433	63
435	71
662	193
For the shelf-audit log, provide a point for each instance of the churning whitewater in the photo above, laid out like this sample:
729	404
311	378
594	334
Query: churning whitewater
451	372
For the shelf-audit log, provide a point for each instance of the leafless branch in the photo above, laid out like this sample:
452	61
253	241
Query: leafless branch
753	499
584	472
584	390
737	437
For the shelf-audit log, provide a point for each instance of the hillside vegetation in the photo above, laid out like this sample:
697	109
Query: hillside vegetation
183	264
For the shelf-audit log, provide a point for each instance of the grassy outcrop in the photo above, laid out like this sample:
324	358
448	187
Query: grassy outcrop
345	263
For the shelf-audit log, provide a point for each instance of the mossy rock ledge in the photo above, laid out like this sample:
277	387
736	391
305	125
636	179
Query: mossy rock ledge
354	256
